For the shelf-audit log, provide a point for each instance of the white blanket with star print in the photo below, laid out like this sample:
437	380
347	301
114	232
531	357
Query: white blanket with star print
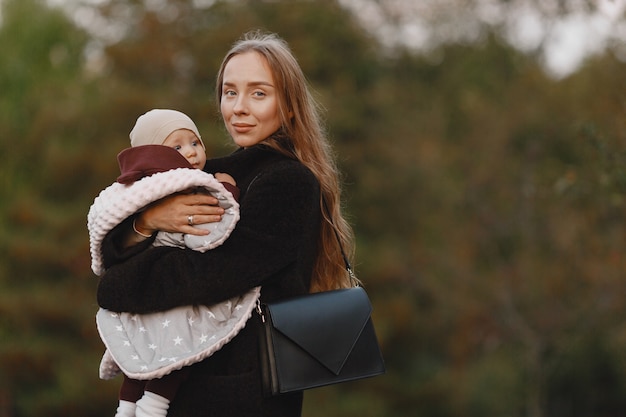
150	346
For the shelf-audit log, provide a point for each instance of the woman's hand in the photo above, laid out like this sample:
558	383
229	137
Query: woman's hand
179	213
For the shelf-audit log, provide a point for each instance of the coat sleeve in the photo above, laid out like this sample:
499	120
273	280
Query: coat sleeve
113	250
265	241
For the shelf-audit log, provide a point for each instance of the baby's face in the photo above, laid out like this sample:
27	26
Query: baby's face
188	145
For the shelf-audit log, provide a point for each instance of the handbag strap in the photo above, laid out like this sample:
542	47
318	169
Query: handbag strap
354	280
346	261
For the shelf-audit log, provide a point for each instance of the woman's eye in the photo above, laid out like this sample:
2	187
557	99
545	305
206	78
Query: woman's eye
259	94
229	93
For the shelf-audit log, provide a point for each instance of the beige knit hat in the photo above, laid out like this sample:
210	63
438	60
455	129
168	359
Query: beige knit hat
153	127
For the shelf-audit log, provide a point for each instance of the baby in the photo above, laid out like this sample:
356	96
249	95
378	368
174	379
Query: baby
167	156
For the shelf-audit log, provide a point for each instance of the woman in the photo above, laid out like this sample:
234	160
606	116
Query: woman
284	242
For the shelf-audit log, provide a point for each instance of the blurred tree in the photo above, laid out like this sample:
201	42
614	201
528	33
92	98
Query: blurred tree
46	299
487	198
558	34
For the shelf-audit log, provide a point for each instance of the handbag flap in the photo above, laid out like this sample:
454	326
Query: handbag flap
321	320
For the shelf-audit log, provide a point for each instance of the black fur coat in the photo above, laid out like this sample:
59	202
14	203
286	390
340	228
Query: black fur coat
274	245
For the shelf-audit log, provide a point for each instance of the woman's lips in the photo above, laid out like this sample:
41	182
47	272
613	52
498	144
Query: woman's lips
242	127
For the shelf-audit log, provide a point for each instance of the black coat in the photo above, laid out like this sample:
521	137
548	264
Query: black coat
274	245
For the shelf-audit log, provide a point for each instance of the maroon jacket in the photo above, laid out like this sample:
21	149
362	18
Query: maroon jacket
142	161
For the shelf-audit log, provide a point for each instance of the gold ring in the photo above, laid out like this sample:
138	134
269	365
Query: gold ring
190	220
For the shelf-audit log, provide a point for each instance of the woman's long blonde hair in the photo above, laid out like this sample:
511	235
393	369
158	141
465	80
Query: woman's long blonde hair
308	143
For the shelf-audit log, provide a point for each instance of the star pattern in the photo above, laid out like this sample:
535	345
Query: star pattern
147	343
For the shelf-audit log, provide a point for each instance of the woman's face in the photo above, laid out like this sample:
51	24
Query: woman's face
249	102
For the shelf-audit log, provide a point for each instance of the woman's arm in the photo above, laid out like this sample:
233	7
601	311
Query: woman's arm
169	214
264	242
116	247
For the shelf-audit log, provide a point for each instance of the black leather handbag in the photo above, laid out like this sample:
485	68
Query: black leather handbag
318	339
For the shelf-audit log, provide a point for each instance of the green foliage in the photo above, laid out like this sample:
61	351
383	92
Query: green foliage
46	302
488	202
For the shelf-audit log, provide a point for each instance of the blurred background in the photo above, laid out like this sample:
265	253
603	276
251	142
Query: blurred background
483	147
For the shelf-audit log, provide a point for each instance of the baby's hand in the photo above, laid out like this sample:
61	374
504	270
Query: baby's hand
222	177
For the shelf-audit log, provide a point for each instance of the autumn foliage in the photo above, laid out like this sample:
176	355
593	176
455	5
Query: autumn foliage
488	200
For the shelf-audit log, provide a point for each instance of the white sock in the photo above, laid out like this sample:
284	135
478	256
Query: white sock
125	409
152	405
